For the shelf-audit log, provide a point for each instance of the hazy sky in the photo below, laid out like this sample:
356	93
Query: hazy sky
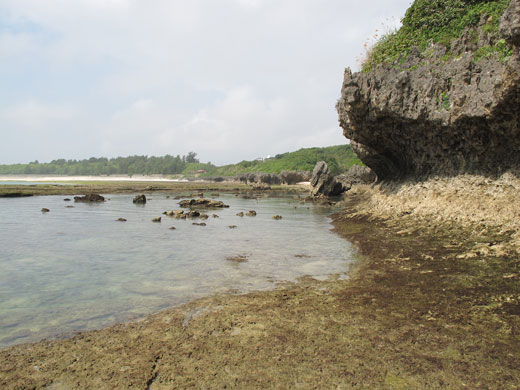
228	79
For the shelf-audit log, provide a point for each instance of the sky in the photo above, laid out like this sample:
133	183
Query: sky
227	79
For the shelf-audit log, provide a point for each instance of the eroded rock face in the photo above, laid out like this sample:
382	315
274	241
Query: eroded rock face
429	116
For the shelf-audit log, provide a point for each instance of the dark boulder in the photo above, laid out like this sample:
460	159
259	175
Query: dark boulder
322	181
89	198
140	199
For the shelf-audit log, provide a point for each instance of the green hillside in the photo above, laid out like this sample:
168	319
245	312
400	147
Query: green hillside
339	158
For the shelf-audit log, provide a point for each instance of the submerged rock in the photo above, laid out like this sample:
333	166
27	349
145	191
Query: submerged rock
121	220
237	258
240	214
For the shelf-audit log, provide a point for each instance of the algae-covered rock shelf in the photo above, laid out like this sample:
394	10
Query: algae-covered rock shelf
444	109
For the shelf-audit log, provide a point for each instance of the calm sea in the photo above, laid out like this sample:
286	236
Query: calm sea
76	268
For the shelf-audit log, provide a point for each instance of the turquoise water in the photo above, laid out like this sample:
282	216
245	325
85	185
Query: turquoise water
77	268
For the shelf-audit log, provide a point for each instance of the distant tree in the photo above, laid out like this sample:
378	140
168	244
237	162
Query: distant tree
192	158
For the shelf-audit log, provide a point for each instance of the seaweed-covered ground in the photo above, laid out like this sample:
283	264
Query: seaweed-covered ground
432	304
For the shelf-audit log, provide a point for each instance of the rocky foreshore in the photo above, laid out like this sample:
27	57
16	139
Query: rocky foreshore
433	304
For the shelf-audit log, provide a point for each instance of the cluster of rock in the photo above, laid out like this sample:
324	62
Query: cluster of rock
89	198
439	112
285	177
202	203
181	214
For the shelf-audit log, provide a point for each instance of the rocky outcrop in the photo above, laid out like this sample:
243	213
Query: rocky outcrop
322	181
89	198
285	177
440	112
356	175
202	202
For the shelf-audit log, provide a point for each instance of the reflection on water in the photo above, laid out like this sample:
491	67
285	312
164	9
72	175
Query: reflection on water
77	268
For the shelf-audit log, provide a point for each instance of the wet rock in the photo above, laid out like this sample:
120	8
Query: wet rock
67	199
203	203
45	210
240	214
172	228
322	181
251	213
192	214
277	217
232	226
199	224
121	220
215	216
156	219
140	199
69	207
204	216
89	198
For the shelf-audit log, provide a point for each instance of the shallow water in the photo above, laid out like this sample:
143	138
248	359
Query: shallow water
77	268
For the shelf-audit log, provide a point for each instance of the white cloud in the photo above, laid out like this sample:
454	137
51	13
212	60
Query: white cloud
231	79
33	115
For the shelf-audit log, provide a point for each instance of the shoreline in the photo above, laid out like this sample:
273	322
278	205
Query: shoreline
58	178
425	308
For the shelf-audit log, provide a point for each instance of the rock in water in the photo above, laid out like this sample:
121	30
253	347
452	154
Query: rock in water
202	202
140	199
251	213
156	219
322	181
45	210
89	198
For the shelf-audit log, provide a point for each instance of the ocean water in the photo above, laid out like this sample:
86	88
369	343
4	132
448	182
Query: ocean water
77	268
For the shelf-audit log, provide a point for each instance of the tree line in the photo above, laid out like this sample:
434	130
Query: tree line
133	165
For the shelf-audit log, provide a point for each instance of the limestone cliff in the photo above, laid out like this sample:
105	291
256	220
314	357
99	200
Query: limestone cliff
440	111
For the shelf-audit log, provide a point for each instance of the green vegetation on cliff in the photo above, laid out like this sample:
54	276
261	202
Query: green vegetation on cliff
339	158
440	21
